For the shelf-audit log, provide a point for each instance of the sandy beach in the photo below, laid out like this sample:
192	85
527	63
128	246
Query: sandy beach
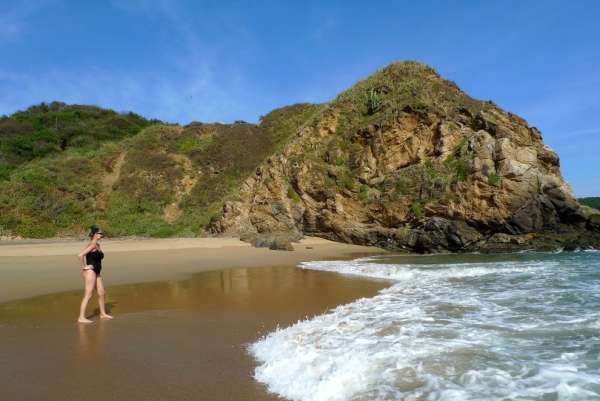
29	268
185	311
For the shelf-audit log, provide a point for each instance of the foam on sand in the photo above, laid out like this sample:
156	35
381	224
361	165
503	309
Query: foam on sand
456	331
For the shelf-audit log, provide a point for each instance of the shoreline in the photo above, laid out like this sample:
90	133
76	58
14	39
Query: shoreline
31	269
184	316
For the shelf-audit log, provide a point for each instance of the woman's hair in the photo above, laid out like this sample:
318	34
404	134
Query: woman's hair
93	231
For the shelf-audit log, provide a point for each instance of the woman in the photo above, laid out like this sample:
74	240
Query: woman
91	264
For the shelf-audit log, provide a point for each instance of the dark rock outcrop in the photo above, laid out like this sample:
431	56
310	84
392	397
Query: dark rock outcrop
594	222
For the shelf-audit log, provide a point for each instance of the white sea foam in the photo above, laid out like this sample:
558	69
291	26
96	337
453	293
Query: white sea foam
463	331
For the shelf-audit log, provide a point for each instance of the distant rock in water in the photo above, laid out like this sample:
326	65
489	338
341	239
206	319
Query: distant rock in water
406	160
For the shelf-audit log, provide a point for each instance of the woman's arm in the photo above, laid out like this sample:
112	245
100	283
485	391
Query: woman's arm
82	254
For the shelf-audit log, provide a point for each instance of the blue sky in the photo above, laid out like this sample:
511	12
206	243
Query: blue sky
222	61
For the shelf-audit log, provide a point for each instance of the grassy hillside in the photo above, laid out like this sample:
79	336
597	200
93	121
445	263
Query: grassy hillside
593	202
48	129
66	167
590	205
400	86
161	180
378	145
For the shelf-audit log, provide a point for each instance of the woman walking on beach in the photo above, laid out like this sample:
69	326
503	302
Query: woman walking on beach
91	265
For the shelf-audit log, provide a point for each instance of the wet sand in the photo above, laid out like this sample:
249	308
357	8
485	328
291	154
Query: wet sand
179	336
29	268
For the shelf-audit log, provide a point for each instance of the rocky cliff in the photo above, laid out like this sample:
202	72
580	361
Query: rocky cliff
403	160
406	160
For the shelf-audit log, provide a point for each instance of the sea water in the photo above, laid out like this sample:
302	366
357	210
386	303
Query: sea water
457	327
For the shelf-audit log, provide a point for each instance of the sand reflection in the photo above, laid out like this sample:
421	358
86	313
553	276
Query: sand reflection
90	340
170	340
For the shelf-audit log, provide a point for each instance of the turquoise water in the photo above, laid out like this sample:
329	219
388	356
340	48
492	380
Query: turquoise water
455	327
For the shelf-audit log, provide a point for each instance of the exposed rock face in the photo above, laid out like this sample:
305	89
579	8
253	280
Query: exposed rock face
405	160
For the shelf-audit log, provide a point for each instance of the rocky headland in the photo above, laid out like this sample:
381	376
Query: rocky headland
406	160
403	160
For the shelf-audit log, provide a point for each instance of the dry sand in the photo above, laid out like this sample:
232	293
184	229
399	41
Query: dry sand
185	311
29	268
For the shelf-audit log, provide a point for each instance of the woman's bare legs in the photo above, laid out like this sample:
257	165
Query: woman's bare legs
101	298
89	279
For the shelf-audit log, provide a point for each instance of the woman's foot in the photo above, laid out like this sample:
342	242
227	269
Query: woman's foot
84	320
106	316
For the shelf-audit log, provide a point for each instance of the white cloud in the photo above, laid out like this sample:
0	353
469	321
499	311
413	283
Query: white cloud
192	93
188	82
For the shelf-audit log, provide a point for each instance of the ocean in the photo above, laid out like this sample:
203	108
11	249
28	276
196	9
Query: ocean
520	326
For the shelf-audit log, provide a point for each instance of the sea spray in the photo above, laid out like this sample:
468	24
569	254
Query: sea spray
481	328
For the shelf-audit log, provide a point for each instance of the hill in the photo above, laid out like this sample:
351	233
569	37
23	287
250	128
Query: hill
131	176
593	202
48	129
403	160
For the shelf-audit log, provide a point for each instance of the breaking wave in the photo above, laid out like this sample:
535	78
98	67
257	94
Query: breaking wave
523	328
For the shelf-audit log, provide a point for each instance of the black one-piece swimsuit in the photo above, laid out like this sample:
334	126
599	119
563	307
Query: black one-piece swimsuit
94	258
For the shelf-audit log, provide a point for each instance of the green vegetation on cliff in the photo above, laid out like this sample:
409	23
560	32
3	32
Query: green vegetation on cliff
358	116
401	86
593	201
48	129
280	124
590	206
67	167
